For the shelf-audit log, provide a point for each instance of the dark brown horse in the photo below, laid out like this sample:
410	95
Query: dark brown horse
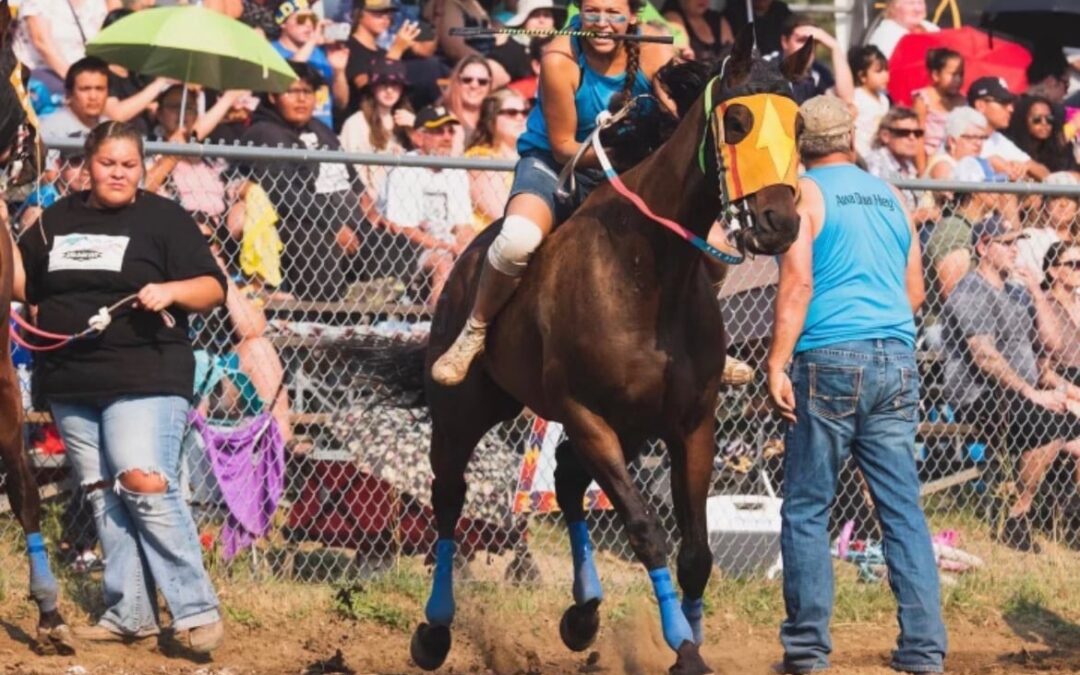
615	332
18	146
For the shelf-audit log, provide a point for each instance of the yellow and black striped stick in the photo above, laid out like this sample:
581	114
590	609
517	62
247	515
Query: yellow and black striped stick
482	32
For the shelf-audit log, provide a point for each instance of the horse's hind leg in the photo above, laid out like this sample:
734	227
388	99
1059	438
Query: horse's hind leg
581	621
691	476
53	635
459	420
599	450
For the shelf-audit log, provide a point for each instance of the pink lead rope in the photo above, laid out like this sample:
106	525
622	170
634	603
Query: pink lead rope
96	325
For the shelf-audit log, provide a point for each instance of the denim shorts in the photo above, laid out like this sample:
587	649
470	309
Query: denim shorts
537	173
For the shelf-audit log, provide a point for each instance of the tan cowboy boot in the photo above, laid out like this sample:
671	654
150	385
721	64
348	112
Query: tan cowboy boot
494	291
737	373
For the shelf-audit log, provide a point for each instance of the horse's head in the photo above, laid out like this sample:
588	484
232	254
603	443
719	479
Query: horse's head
18	134
751	145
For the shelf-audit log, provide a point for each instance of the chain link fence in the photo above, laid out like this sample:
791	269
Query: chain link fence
293	229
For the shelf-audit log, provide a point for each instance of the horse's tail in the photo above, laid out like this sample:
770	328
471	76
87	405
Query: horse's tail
392	368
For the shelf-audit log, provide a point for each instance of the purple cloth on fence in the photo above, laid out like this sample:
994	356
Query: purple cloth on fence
249	464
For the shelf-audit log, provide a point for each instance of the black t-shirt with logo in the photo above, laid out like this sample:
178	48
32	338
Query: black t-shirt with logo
91	258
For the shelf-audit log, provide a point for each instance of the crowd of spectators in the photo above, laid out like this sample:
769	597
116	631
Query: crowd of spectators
395	81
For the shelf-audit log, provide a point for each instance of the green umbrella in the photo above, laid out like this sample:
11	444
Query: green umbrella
192	44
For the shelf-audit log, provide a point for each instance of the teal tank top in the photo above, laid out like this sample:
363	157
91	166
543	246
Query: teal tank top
592	97
860	262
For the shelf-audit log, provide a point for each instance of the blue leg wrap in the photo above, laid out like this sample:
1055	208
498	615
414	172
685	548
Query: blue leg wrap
586	579
672	620
694	611
440	606
43	586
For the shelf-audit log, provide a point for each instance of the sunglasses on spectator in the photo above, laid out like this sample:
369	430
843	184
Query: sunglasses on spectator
909	133
482	81
381	12
1042	119
514	112
613	18
299	92
991	99
306	17
1071	264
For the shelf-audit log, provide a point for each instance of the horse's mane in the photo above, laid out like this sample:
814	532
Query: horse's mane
650	125
11	111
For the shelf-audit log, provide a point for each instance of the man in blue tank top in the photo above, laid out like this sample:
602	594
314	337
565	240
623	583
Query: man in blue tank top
849	287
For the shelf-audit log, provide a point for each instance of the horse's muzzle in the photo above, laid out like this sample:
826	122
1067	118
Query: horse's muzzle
775	221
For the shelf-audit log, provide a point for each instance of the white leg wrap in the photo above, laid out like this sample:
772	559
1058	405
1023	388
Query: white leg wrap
511	250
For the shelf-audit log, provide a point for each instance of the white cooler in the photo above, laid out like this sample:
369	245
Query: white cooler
744	534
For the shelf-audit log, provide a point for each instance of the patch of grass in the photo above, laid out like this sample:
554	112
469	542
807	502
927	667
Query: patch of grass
757	601
241	616
402	580
354	601
1027	601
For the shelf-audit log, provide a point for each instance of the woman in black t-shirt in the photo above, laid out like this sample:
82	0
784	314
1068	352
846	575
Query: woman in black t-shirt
120	398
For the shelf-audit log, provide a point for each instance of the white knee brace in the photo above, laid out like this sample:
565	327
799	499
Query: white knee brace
511	250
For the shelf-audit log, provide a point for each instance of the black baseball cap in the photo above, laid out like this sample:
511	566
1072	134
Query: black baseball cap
433	117
990	87
995	228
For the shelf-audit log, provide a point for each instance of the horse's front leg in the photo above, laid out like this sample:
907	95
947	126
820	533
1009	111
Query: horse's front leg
449	457
600	452
691	476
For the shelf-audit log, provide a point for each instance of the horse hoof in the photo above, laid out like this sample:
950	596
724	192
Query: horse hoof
579	625
430	645
54	641
688	661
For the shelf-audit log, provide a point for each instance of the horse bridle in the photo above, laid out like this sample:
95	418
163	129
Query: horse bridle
733	213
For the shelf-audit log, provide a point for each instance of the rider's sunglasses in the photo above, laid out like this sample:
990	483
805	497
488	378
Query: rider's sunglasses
613	18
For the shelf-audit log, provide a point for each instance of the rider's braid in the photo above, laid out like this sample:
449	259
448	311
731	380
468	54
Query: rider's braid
633	63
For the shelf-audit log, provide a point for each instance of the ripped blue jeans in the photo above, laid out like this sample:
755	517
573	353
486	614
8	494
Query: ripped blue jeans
149	539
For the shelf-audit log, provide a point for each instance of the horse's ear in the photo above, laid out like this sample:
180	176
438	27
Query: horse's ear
741	57
795	67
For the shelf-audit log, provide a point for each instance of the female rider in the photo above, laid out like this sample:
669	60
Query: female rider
578	78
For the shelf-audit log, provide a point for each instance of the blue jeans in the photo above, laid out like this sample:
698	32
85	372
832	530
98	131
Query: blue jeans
149	539
537	174
859	398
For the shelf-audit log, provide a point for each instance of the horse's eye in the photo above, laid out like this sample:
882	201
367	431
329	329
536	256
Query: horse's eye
738	121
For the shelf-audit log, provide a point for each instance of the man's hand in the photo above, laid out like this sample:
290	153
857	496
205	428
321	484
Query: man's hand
820	36
155	297
337	55
405	37
404	118
1032	282
348	240
782	394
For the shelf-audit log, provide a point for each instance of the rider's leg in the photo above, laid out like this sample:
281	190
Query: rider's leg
528	221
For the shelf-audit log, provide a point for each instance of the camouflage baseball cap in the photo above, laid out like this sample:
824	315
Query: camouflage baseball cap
825	116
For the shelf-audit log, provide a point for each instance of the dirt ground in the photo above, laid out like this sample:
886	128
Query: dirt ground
485	643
